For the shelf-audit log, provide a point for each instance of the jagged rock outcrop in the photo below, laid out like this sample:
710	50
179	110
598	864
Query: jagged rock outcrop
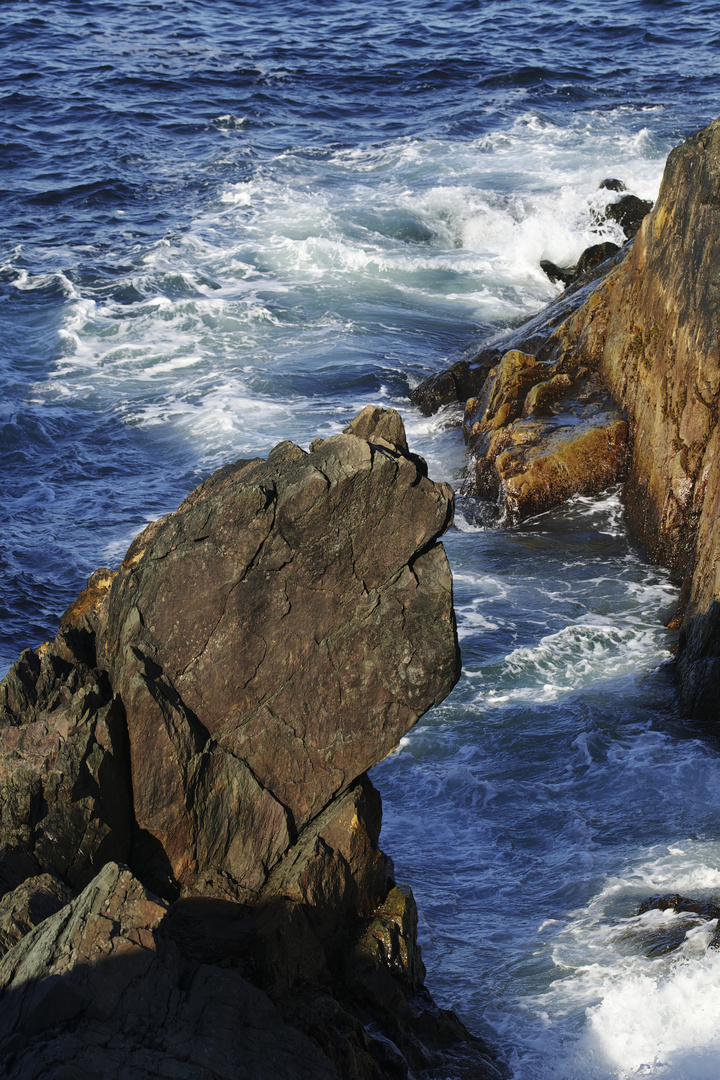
206	716
28	905
539	423
653	330
99	990
466	378
540	432
65	801
320	629
650	331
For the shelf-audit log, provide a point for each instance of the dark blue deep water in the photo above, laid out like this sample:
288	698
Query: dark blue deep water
223	224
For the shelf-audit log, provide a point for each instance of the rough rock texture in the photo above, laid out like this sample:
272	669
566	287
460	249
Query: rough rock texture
98	990
653	329
28	905
319	632
466	378
206	716
650	330
64	788
538	434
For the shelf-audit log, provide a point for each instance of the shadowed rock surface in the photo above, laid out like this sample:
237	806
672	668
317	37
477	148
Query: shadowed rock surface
189	756
28	905
97	991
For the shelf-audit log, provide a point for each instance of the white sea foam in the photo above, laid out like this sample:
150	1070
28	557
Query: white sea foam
616	1009
581	654
274	268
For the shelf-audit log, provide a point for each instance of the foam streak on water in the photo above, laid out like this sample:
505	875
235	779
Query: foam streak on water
220	230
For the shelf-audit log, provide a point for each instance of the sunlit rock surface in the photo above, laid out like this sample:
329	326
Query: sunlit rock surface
189	854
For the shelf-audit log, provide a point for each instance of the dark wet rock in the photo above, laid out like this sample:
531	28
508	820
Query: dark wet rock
675	902
557	273
667	939
539	434
628	212
536	336
611	184
591	258
594	256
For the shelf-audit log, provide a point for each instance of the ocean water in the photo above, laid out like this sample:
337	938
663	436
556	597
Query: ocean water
227	224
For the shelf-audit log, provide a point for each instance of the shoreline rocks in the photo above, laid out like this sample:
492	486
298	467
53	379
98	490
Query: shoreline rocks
539	434
189	860
466	378
652	328
645	325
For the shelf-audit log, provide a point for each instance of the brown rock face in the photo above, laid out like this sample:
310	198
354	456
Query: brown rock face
99	990
207	714
537	435
651	332
258	651
275	638
654	330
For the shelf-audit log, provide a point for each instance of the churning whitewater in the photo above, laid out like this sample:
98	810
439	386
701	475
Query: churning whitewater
222	229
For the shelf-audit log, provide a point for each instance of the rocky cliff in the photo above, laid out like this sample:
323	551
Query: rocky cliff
652	329
190	878
643	327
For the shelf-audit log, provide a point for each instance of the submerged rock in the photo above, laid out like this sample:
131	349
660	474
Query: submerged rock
206	716
667	939
675	902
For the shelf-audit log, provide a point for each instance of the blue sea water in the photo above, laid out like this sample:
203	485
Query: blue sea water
227	224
